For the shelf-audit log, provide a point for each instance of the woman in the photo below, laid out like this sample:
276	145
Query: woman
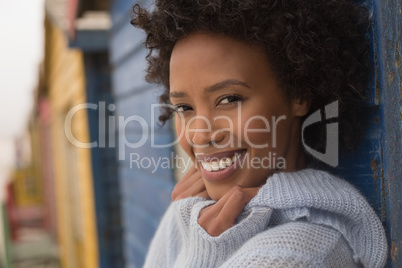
241	76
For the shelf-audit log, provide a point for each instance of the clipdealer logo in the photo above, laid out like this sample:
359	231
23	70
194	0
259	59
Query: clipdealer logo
331	111
331	155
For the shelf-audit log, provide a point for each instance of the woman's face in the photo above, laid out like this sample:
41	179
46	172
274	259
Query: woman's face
231	117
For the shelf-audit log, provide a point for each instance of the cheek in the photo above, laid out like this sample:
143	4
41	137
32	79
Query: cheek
178	126
256	131
180	132
272	133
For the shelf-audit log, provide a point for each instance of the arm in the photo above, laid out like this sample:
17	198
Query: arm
294	244
164	246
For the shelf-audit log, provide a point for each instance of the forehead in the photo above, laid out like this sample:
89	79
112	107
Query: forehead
215	58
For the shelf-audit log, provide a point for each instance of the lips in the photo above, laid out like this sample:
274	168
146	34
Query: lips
220	166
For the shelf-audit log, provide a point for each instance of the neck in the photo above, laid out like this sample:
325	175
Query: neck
295	157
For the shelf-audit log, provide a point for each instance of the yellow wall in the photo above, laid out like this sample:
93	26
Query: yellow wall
27	182
27	187
65	81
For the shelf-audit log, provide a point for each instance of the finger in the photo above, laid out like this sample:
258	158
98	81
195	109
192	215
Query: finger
194	183
192	190
222	215
235	205
191	171
188	181
213	211
185	183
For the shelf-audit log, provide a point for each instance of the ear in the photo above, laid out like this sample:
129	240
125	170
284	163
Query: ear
300	107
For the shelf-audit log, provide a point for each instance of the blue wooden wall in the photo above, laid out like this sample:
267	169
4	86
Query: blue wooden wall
145	194
388	18
376	168
104	164
363	166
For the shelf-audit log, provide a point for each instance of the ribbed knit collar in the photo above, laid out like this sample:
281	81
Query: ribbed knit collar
325	199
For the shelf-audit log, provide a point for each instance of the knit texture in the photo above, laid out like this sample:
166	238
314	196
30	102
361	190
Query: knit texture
308	218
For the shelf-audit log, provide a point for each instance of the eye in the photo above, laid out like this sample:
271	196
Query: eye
180	108
229	99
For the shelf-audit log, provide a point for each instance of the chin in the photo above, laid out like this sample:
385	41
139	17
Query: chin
215	196
214	193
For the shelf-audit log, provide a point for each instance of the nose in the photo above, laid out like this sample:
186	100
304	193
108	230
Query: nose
203	131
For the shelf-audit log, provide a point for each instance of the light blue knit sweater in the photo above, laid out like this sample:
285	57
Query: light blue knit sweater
307	218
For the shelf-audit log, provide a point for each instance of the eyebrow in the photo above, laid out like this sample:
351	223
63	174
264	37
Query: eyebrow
213	88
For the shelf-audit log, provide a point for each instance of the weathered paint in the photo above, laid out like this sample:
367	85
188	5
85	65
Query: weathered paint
363	166
388	25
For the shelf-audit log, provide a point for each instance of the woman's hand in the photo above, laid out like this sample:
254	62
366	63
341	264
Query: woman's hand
219	217
190	185
222	215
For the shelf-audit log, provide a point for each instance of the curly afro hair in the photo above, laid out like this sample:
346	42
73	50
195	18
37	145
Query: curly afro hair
317	48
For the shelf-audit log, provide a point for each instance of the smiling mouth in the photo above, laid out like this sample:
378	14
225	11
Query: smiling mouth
216	163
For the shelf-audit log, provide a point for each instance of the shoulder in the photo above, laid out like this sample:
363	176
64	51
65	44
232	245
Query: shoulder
293	189
295	244
173	227
178	215
324	199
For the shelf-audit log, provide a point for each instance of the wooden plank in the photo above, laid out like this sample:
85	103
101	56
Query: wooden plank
388	16
141	210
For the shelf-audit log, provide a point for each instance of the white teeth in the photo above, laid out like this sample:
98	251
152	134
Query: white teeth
215	166
235	157
228	161
221	164
206	166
